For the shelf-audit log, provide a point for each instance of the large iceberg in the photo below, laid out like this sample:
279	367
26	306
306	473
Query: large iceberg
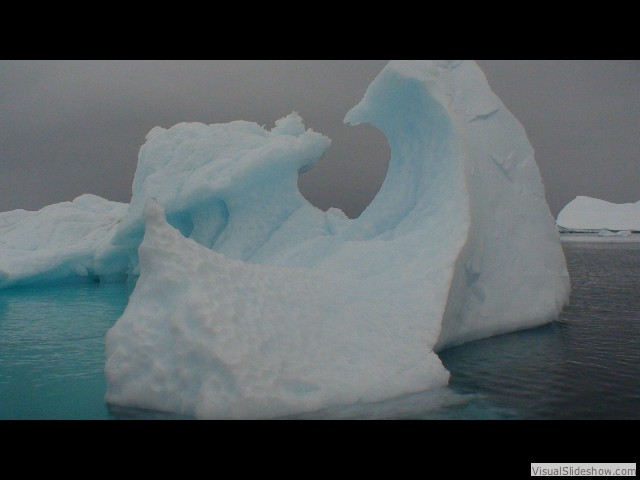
252	303
585	214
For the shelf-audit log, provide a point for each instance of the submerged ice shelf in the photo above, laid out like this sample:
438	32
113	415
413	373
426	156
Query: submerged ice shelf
251	302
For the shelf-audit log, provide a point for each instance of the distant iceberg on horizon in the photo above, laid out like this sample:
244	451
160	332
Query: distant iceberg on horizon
253	303
592	215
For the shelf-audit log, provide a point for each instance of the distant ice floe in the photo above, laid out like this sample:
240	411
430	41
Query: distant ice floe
586	219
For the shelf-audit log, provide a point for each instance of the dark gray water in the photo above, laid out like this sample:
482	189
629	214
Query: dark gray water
584	366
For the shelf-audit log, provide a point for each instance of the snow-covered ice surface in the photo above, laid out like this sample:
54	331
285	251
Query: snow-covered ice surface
252	303
222	338
57	243
595	215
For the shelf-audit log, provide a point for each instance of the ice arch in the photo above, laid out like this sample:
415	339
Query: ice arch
294	309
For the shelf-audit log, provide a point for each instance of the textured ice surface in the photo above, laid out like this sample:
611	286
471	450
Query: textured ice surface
59	242
253	303
226	186
221	338
592	214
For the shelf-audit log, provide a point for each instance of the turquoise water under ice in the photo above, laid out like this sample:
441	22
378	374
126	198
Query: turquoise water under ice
52	350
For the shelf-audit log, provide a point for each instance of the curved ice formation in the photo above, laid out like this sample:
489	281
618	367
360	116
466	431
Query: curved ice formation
273	307
226	186
57	243
585	214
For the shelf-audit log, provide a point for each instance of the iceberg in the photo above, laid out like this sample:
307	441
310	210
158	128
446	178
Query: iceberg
249	302
57	243
592	215
252	303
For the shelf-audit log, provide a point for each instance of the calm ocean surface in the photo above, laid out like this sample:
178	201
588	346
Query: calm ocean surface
584	366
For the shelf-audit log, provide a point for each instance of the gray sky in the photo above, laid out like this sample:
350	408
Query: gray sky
73	127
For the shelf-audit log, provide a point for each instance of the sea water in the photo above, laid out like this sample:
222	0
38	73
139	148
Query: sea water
586	365
52	349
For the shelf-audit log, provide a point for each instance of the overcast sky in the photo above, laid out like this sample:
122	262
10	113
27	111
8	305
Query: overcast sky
73	127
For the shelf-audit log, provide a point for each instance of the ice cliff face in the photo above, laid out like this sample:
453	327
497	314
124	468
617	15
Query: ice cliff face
253	303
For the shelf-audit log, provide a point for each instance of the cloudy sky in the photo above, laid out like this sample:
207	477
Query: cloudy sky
73	127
